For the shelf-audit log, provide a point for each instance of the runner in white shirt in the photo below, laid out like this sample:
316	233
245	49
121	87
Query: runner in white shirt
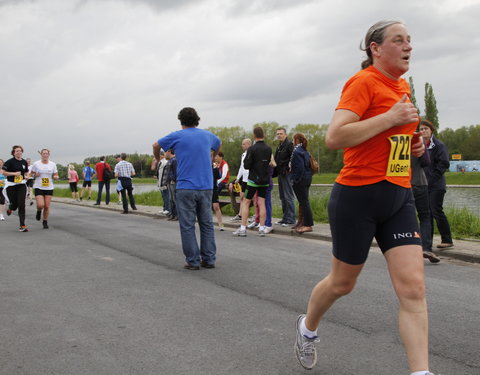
45	171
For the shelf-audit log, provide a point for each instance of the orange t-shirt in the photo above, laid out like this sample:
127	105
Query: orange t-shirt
369	93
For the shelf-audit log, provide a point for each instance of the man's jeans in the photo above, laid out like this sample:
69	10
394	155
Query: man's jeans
436	207
191	205
107	191
422	204
166	199
285	190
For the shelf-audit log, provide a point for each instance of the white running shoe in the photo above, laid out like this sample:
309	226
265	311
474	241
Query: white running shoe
253	225
261	233
305	347
268	230
240	233
2	218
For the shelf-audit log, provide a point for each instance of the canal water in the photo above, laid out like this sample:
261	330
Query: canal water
456	197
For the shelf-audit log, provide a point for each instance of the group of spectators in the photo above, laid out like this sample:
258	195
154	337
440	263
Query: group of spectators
192	173
123	172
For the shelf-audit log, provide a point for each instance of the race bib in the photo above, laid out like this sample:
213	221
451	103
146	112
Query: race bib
399	160
18	179
45	182
2	183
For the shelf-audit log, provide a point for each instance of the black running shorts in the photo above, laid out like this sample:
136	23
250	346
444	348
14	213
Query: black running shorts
43	192
357	214
251	190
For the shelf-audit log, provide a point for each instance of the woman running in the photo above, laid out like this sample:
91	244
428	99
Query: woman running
73	181
45	171
374	123
2	198
16	170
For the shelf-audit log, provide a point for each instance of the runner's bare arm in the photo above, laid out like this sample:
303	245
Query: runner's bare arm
346	129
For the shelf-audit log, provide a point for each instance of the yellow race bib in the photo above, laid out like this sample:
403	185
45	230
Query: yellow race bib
18	179
45	182
237	188
399	160
2	183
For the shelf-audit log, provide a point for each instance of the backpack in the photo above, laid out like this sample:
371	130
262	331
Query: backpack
107	173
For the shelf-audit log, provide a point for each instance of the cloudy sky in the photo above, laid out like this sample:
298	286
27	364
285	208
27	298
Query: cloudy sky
92	77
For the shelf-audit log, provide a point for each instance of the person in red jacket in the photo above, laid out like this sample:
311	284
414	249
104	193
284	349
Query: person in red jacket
102	181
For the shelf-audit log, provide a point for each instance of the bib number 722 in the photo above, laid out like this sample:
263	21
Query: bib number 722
399	160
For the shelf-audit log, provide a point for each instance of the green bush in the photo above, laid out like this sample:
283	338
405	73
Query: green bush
463	223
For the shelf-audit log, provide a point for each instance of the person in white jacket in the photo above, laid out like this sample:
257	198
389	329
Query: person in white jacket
242	175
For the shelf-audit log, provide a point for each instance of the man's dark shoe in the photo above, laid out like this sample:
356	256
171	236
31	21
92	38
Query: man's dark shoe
191	268
38	215
206	265
431	257
134	208
175	218
96	204
124	212
45	224
444	245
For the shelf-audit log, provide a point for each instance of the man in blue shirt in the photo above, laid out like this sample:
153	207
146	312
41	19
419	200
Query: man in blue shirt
88	173
194	188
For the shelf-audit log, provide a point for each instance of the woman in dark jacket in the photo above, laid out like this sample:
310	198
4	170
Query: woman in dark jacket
301	176
435	173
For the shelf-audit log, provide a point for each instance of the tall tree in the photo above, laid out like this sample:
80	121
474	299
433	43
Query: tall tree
431	111
413	99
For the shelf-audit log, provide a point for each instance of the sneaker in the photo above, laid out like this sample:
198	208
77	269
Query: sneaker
279	222
81	199
45	224
305	347
253	225
38	215
444	245
268	230
190	267
9	212
261	233
89	198
207	265
240	233
285	224
236	218
2	218
221	227
23	228
431	257
119	202
96	204
165	212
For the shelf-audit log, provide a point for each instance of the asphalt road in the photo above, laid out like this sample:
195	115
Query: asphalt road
104	293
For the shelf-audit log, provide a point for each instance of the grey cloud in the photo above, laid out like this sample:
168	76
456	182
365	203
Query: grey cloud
240	7
158	5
